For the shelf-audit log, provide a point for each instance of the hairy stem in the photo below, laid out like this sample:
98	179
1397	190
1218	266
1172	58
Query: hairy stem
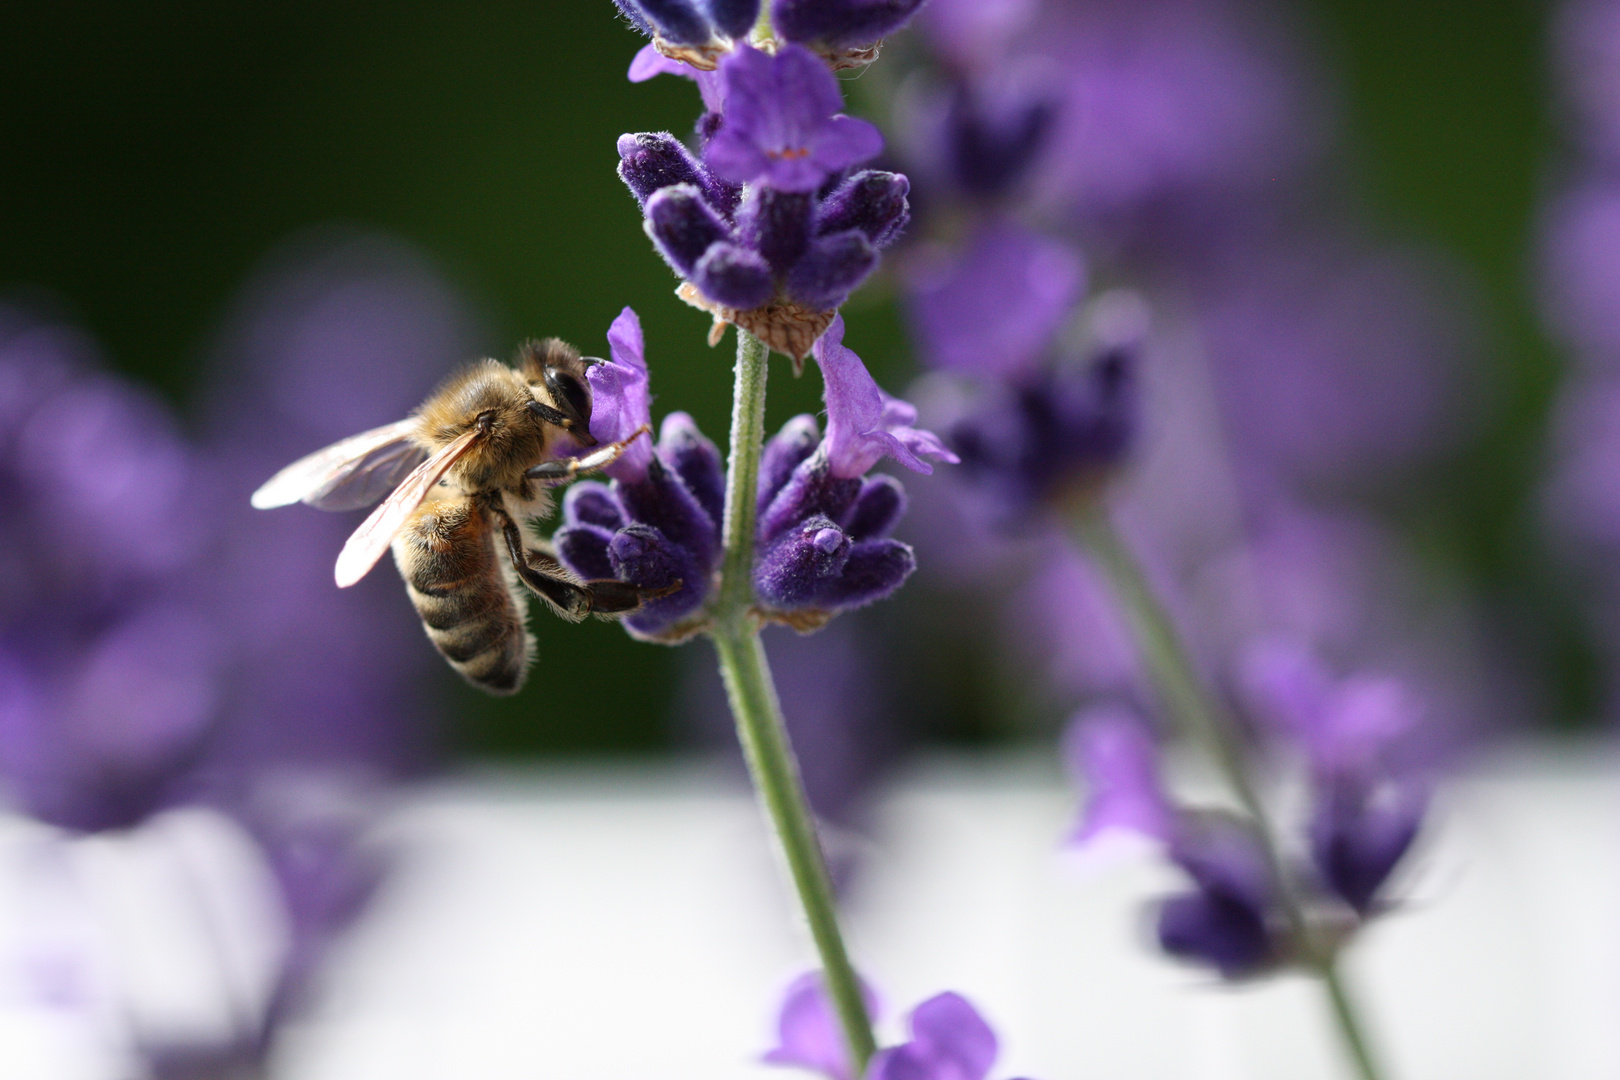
757	711
1200	715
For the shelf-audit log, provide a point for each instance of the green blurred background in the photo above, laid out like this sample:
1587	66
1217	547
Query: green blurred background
152	154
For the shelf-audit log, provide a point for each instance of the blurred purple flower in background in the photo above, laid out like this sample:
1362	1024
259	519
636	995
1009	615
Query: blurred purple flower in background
112	671
1580	296
198	684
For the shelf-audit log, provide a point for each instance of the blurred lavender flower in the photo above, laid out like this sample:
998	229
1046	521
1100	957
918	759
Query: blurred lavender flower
1367	804
658	523
1230	919
337	333
111	672
1586	44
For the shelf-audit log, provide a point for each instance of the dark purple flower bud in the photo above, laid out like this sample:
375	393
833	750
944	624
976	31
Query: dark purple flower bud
949	1041
591	503
645	556
734	276
1056	435
683	226
696	460
783	124
878	508
682	22
996	305
872	201
794	571
1227	921
876	568
991	143
808	1033
733	17
650	160
776	224
840	23
583	548
831	269
660	499
1359	832
783	453
865	424
1214	929
811	491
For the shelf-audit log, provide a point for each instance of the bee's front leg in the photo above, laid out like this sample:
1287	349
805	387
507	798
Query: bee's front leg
545	576
564	470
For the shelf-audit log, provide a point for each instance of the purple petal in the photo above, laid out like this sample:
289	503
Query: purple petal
1110	749
649	62
996	306
620	401
1360	832
781	125
949	1041
808	1031
856	408
584	550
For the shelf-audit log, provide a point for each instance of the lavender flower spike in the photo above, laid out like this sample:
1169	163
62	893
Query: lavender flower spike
808	1032
783	125
865	424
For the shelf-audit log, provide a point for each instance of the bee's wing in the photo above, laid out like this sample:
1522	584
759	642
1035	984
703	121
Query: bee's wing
349	474
375	533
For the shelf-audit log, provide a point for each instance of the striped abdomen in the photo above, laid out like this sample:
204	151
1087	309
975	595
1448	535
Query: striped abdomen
456	575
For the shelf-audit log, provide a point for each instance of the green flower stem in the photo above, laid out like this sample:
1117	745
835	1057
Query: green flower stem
757	711
1199	715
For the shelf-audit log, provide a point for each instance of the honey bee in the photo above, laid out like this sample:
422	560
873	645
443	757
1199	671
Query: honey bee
458	479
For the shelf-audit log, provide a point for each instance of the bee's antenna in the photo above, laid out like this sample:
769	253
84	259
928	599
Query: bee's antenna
591	361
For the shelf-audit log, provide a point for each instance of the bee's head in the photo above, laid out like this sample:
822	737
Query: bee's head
556	372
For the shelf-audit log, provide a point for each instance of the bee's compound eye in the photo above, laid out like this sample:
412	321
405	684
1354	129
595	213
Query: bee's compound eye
573	398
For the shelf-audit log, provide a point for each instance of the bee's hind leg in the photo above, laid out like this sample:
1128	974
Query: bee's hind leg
543	574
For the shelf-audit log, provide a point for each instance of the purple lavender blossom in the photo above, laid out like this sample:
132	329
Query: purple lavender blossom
1110	750
1581	269
808	1033
783	124
823	529
864	424
659	521
807	232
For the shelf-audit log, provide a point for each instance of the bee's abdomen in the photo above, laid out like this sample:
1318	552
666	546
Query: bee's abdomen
472	613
